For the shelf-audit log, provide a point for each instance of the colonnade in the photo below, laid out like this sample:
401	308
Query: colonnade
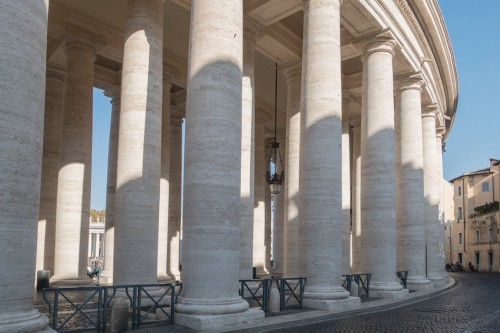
382	165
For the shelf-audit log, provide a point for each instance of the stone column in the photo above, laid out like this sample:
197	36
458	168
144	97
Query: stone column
112	92
211	230
356	197
293	75
164	182
378	182
139	145
439	150
278	218
175	181
320	213
247	152
268	223
50	169
410	184
259	219
23	36
73	190
346	194
431	208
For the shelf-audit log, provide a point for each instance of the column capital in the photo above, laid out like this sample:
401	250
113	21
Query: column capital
381	41
177	112
55	72
409	82
261	115
292	70
77	34
113	92
169	73
355	122
82	45
440	132
430	110
252	30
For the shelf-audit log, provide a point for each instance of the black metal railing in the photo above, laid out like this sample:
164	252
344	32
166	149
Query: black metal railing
83	309
403	277
257	292
362	281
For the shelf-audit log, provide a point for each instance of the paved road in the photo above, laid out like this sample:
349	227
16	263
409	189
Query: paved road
472	305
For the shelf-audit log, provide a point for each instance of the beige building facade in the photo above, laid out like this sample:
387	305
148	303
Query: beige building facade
366	96
474	237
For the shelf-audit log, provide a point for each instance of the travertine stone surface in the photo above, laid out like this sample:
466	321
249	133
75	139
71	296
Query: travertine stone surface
247	153
175	181
431	208
54	91
293	76
22	90
439	167
73	190
346	195
320	174
268	223
356	197
410	182
112	92
279	215
139	145
164	182
211	230
259	219
378	181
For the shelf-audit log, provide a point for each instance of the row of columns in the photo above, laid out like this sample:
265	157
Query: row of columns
213	187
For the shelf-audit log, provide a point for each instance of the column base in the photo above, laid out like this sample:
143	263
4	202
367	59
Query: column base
106	278
342	305
165	278
420	284
26	322
211	322
438	281
59	282
390	294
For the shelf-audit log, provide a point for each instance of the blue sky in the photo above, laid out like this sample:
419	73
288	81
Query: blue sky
474	29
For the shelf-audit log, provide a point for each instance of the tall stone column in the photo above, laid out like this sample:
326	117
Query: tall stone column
23	36
410	184
73	188
378	182
112	92
356	197
175	181
164	182
247	151
50	169
431	207
293	75
260	261
439	151
346	194
139	145
211	230
268	222
278	218
320	213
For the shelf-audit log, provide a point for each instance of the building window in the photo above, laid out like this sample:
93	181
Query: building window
460	191
460	258
477	236
459	213
490	235
459	238
486	186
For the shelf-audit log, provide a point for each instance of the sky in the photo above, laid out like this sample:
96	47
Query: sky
474	30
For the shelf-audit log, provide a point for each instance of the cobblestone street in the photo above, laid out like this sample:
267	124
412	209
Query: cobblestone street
472	305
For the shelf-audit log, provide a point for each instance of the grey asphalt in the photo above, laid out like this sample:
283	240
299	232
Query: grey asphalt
472	304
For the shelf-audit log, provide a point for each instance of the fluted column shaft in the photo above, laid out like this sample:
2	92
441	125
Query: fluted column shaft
346	194
139	147
320	213
291	190
431	208
259	219
211	230
175	182
356	199
73	190
378	183
109	226
54	95
23	36
164	182
247	154
410	182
